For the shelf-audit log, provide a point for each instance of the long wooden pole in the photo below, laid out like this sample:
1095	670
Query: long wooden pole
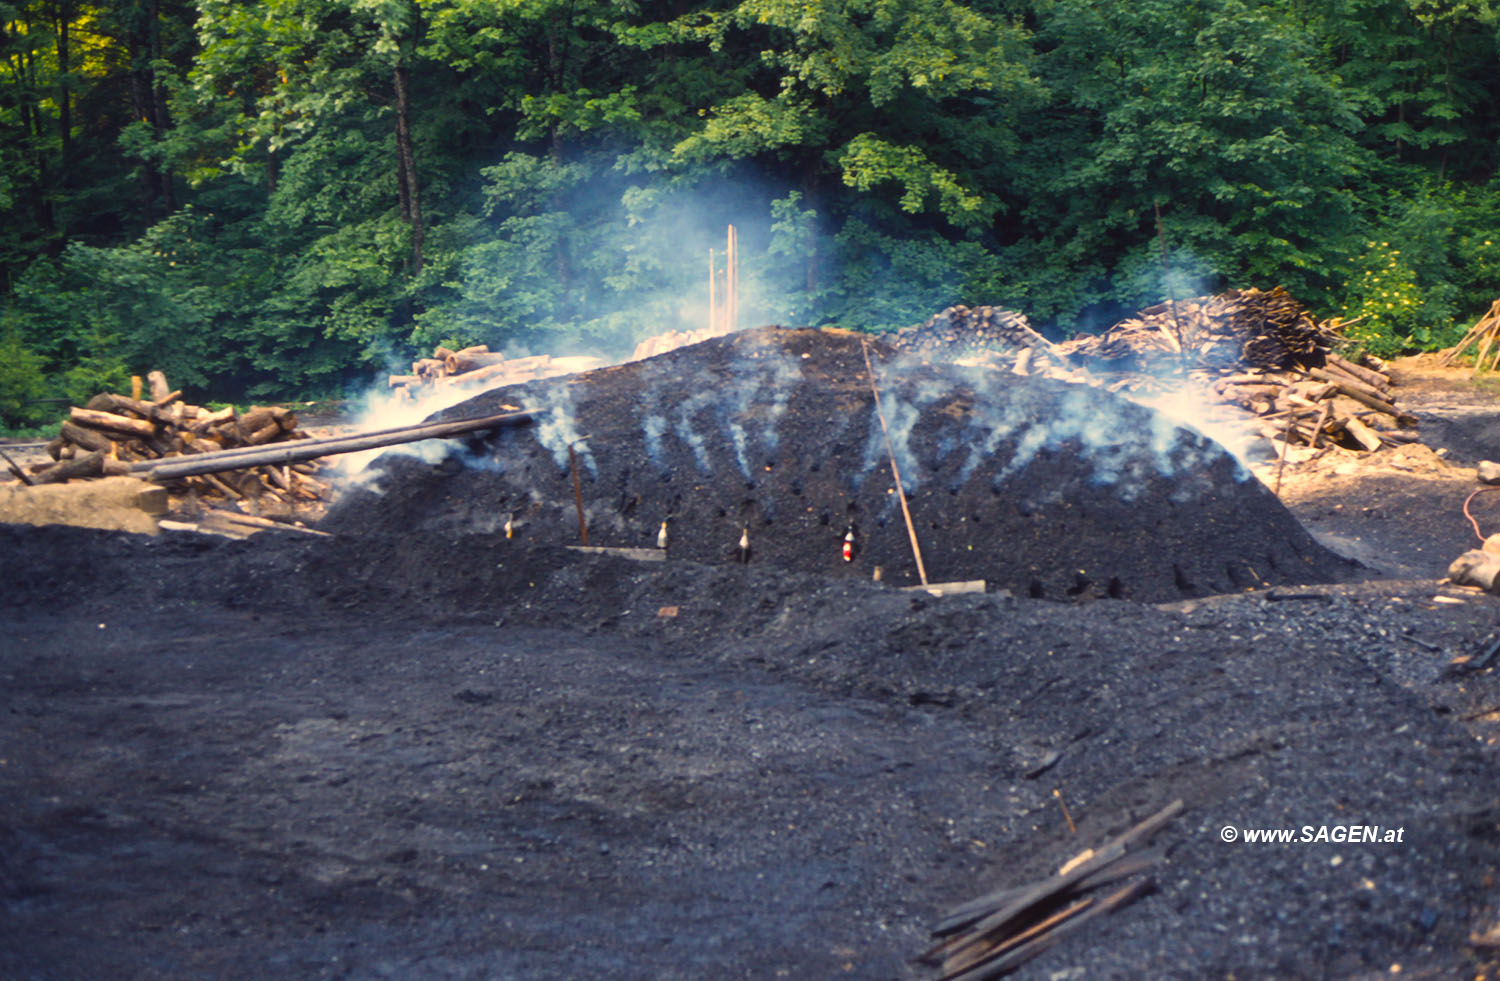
713	304
296	451
911	529
732	274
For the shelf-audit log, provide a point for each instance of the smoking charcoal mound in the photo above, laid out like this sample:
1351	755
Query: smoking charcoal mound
1046	489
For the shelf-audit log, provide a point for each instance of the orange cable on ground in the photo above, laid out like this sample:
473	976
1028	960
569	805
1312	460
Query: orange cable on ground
1471	497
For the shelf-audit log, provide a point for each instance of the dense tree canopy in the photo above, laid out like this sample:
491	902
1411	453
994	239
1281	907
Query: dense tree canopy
268	198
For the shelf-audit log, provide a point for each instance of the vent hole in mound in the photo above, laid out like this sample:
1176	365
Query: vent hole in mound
1116	590
1035	590
1183	583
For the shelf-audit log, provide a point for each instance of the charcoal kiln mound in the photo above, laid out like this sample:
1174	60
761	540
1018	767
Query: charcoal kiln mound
771	437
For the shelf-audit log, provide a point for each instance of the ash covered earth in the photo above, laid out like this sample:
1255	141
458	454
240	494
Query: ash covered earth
1041	488
420	748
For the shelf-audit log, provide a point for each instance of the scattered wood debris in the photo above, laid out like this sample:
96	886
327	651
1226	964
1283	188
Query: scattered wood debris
476	368
996	933
1486	334
1340	403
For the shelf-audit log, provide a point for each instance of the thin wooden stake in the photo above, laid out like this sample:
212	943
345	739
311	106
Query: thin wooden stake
1057	792
1161	234
583	528
911	529
1286	446
732	282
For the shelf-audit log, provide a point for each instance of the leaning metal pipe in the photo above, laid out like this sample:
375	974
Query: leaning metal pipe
297	451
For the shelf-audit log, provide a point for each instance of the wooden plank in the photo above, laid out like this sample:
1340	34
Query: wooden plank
637	554
949	588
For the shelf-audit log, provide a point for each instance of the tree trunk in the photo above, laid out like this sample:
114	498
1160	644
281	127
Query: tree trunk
64	14
406	165
149	100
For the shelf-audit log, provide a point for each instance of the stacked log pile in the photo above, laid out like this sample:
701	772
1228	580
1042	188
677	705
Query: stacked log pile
1255	328
1256	350
477	368
122	434
959	332
672	340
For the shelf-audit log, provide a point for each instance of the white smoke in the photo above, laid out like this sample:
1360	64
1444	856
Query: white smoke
386	408
556	427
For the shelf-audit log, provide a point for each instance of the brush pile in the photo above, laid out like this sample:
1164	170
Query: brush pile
122	434
477	368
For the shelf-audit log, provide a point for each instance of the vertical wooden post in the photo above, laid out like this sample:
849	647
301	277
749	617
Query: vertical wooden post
732	274
583	528
713	305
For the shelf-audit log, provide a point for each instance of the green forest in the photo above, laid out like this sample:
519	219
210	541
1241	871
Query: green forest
273	199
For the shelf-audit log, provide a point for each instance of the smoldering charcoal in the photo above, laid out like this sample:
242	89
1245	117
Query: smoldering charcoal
1035	486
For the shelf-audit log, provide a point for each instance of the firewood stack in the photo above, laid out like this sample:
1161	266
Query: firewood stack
1255	328
960	332
116	434
1259	351
1341	403
480	368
